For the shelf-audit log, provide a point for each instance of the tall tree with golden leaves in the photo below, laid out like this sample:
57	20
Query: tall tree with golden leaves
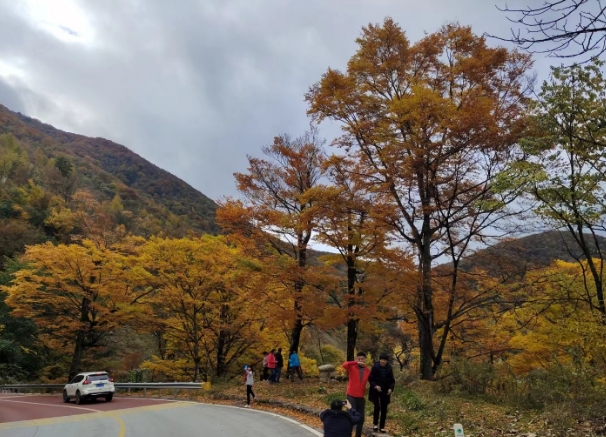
434	125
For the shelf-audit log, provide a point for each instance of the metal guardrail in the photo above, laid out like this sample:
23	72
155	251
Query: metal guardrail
175	386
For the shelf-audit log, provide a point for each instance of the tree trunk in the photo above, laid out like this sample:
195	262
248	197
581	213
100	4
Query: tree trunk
424	311
297	328
352	336
79	346
352	322
222	341
299	284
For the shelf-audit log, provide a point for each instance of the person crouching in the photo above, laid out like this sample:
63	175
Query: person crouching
337	421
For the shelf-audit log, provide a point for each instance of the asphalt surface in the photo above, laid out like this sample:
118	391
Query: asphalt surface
48	416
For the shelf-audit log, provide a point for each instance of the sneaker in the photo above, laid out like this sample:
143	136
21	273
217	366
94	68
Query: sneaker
246	406
383	430
375	428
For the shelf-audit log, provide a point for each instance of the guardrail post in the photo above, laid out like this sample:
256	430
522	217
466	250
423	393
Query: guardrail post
144	391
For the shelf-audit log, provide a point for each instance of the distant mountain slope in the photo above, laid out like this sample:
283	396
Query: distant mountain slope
516	256
108	168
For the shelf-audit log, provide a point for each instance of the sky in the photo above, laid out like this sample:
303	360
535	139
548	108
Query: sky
194	86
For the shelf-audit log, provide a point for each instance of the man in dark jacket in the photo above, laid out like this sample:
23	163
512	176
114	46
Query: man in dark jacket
339	423
279	364
382	384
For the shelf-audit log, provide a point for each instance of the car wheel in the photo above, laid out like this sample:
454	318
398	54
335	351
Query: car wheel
78	398
65	396
108	398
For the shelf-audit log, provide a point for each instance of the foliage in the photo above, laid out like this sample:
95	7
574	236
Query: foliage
203	305
276	222
309	366
75	294
433	127
567	164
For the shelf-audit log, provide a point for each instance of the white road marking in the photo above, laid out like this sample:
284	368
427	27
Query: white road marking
49	405
308	428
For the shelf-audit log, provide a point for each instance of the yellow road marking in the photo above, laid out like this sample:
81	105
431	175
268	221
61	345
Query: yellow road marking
115	414
122	431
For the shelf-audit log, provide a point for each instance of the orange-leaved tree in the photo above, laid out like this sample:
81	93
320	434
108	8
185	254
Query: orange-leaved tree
278	219
347	221
76	294
434	126
201	303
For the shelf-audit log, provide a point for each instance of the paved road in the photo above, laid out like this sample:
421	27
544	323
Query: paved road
138	418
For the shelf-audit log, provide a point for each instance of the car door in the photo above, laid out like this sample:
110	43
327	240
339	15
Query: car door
71	388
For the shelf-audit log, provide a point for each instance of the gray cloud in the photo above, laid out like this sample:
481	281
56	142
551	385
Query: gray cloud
194	86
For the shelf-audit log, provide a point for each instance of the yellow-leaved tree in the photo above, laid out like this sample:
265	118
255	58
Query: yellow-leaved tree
559	325
203	303
76	294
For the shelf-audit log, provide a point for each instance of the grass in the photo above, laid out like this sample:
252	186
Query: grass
416	410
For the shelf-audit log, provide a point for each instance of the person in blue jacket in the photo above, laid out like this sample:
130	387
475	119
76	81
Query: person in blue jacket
294	365
339	423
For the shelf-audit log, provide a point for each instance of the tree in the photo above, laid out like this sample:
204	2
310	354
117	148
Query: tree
347	222
201	303
278	212
75	294
434	126
567	165
555	26
558	326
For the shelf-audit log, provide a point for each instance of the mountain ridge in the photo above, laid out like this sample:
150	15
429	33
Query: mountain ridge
110	168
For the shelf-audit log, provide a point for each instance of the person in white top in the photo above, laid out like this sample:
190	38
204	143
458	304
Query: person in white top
249	378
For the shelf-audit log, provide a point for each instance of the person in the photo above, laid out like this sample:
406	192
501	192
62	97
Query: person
382	384
294	365
356	386
279	364
249	378
271	364
265	374
339	423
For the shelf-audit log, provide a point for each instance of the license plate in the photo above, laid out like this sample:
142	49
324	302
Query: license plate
99	385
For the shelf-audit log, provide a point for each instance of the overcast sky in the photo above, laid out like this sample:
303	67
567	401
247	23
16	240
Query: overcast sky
195	85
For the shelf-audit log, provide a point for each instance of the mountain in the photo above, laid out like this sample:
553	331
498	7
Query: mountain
106	169
516	256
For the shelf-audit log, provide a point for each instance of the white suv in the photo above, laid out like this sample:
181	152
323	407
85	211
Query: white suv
89	385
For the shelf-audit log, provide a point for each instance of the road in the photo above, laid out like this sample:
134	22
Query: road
48	416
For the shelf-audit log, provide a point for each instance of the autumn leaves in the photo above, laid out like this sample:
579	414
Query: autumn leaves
441	142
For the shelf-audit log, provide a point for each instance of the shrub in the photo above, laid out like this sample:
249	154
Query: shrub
309	366
408	399
466	376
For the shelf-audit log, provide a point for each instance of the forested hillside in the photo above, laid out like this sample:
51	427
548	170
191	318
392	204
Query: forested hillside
108	169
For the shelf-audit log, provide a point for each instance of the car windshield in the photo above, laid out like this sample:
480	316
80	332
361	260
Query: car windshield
93	378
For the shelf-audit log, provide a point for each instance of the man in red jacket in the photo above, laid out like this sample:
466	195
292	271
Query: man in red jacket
356	387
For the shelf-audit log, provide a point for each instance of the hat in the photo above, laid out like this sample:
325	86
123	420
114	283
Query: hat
361	354
383	356
336	404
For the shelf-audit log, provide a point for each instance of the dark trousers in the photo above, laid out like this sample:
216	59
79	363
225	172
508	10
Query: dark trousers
265	374
358	404
380	408
291	373
272	375
278	374
249	393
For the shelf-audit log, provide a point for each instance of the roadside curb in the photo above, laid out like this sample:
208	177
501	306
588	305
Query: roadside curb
367	430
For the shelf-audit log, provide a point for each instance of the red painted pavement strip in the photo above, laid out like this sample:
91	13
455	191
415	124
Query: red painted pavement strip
14	407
